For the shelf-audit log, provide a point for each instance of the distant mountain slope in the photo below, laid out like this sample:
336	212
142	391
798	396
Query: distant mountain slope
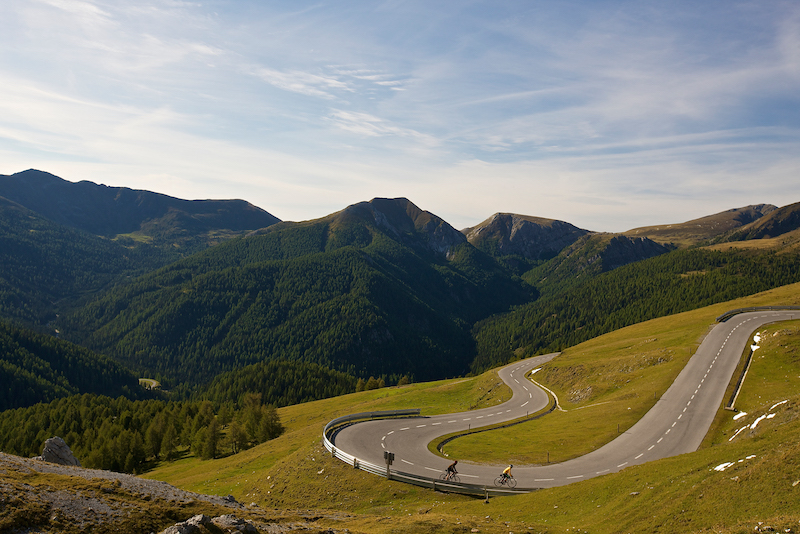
45	266
705	228
38	368
531	238
112	211
380	288
590	256
776	223
670	283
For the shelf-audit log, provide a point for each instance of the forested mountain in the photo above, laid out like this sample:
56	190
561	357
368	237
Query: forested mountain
670	283
381	288
39	368
61	241
112	211
283	313
588	257
43	264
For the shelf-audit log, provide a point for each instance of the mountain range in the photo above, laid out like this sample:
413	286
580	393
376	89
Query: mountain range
185	291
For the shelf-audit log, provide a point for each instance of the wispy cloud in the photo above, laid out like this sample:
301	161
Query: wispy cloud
465	107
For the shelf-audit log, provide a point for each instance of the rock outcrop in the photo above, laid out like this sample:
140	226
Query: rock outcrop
56	451
534	238
203	524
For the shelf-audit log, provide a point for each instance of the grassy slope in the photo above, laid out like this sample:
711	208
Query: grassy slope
672	495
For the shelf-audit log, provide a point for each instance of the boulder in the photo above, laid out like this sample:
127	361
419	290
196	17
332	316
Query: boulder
202	524
233	524
56	451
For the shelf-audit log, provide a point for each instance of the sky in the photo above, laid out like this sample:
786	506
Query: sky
609	115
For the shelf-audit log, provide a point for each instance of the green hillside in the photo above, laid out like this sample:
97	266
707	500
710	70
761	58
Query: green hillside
44	265
39	368
671	283
679	494
381	288
61	242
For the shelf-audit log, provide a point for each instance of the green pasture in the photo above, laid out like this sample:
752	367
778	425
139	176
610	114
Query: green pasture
601	383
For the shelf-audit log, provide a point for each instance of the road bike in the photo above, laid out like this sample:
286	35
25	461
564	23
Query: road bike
451	478
511	482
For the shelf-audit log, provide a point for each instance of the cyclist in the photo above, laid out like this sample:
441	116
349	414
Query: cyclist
507	473
451	470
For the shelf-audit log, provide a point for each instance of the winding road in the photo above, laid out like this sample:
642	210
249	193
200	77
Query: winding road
676	424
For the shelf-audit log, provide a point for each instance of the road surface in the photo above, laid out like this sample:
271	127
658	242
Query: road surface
676	424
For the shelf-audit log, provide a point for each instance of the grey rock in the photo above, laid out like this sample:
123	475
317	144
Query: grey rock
231	523
56	451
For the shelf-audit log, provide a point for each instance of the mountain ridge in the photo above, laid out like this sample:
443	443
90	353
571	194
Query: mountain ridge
109	211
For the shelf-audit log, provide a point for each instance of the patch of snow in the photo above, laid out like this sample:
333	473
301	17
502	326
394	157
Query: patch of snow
740	415
723	467
770	416
737	432
778	404
755	423
754	347
536	370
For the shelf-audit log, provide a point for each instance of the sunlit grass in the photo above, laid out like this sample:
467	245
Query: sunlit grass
677	494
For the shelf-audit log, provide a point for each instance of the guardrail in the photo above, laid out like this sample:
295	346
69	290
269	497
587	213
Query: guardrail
728	314
408	478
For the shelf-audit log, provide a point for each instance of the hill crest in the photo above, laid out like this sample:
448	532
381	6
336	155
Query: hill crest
110	211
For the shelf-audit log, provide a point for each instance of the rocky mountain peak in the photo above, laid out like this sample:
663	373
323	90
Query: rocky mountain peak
531	237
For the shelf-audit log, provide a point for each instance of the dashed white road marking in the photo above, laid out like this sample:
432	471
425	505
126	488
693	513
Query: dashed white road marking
637	457
406	461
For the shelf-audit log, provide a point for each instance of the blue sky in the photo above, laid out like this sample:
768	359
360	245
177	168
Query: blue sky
606	114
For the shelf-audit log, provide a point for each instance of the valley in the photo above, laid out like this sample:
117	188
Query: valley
261	331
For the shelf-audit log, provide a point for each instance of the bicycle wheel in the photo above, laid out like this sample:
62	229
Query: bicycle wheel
443	476
455	478
512	482
499	481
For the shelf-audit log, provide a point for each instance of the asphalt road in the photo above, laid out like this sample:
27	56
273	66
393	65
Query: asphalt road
676	424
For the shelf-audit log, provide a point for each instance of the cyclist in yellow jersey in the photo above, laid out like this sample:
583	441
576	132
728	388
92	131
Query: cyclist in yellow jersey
507	472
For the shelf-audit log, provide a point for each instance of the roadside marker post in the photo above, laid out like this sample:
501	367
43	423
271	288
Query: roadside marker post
389	457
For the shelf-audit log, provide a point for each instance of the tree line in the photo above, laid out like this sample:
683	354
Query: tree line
126	436
664	285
